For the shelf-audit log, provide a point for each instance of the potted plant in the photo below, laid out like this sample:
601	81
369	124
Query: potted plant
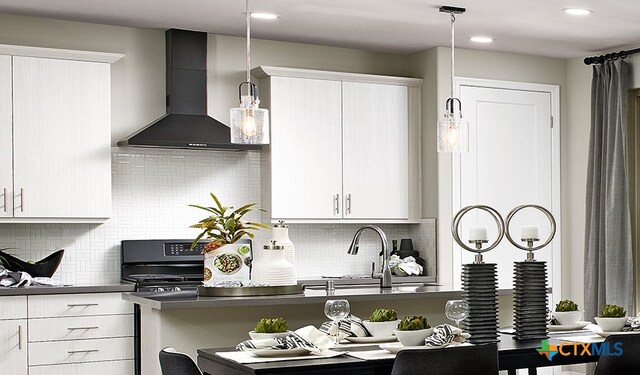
270	328
224	259
412	330
567	313
382	322
612	318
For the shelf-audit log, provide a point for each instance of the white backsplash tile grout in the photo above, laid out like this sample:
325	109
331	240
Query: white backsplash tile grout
152	189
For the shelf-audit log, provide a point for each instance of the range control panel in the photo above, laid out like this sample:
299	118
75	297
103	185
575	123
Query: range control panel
182	249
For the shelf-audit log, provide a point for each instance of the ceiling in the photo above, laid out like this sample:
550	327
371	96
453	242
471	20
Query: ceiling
537	27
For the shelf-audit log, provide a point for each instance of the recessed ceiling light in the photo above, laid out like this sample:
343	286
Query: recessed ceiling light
577	11
264	16
481	39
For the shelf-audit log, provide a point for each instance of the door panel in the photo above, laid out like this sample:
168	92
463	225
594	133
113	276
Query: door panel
376	151
13	347
306	148
61	138
6	138
509	164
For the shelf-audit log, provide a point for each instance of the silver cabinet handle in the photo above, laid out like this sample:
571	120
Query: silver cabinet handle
349	203
81	328
19	337
83	351
336	202
21	200
81	304
4	195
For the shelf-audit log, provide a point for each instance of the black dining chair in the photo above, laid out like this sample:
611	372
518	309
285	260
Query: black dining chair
475	359
627	363
175	363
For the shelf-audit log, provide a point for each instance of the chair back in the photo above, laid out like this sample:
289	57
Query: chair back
626	363
174	363
474	359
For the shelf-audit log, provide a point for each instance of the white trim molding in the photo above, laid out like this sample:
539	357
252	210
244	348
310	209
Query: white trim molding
63	54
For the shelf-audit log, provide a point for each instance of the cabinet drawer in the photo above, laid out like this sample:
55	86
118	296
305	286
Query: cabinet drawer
13	307
60	305
93	368
83	327
59	352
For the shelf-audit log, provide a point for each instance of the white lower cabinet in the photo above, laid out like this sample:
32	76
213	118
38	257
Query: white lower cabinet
13	346
66	334
90	368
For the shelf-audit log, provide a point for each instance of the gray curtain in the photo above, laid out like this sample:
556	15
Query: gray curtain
608	262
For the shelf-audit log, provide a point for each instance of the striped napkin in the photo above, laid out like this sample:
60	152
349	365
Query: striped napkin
350	326
308	337
445	334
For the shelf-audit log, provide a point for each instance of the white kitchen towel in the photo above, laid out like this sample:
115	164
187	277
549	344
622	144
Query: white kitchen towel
350	326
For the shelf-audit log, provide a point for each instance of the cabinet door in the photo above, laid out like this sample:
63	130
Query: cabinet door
6	157
13	347
62	139
376	151
306	149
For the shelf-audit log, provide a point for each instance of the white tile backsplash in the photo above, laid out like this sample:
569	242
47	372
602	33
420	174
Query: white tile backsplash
152	189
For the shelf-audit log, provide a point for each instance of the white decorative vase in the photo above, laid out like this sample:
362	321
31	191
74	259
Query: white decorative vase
272	268
226	267
281	236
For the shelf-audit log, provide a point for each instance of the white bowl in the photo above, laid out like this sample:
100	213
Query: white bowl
413	338
381	329
259	336
611	324
567	318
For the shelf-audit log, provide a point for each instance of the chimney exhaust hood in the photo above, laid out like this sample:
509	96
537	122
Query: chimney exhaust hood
186	124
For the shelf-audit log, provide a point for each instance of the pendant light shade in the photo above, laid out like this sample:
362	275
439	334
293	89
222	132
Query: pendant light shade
453	131
249	122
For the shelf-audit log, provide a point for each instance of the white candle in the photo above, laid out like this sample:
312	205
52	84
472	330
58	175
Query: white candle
530	232
478	234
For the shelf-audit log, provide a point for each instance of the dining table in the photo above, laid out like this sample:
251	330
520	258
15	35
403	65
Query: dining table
512	355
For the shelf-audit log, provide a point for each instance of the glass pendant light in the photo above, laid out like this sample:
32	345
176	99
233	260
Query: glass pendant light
453	131
249	123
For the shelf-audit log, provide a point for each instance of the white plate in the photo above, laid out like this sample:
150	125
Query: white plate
395	347
568	327
370	339
606	334
280	352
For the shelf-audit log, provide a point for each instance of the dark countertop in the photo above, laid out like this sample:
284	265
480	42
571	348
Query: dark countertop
35	290
190	300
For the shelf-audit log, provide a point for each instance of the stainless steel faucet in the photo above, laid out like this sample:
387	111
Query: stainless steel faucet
385	281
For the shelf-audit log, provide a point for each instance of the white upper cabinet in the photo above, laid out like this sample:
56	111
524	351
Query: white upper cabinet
306	148
55	136
6	114
344	147
375	172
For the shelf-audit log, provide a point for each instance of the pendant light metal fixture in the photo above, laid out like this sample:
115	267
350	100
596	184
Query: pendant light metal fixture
249	123
453	131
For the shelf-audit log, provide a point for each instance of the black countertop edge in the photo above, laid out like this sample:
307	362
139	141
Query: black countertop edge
190	300
74	289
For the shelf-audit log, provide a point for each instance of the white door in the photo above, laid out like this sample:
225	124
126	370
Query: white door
6	139
375	151
13	347
61	138
510	162
306	149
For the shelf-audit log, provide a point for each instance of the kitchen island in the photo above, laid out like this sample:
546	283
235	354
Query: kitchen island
188	322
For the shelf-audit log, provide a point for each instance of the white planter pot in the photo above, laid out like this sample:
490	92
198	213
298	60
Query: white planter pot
567	317
381	329
273	269
413	338
259	336
611	324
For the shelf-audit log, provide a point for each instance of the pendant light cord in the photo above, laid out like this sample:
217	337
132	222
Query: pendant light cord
248	18
453	57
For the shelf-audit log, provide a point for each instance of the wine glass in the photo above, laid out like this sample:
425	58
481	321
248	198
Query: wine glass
336	309
456	310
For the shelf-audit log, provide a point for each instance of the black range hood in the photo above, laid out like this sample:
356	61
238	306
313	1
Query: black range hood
186	124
